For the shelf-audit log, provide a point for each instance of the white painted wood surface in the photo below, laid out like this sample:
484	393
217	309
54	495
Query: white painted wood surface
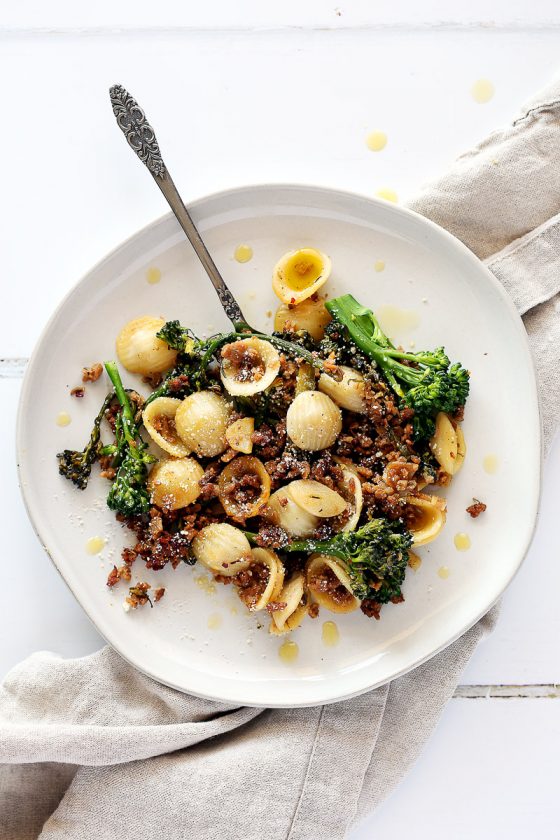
251	92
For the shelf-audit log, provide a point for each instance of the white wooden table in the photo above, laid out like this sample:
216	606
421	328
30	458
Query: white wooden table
250	92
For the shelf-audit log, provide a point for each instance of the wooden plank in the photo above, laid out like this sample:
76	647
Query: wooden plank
489	771
293	106
247	14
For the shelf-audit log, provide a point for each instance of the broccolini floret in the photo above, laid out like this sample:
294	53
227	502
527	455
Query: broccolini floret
76	466
376	555
425	381
128	494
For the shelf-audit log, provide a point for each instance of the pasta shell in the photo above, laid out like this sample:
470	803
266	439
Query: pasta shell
265	578
201	421
249	366
293	595
223	549
238	435
241	506
425	517
316	498
313	421
349	392
159	421
329	584
310	315
461	448
139	350
350	488
443	444
299	274
173	483
289	516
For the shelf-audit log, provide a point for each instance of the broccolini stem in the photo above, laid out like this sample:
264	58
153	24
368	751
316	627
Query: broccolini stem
122	396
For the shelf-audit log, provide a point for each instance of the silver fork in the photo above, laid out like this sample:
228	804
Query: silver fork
141	138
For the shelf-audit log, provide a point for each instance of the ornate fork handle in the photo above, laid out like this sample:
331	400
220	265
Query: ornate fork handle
141	138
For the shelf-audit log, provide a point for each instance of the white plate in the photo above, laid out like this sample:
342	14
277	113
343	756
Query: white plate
456	302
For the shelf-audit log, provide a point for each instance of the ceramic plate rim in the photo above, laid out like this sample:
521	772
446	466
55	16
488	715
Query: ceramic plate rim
327	695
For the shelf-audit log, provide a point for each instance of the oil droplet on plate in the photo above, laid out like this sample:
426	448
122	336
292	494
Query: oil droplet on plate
490	464
243	253
330	634
379	265
414	561
388	194
153	275
462	541
206	584
63	419
288	652
395	320
214	621
376	141
443	572
482	91
94	545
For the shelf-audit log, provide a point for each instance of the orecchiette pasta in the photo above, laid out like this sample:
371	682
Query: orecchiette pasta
316	498
201	421
249	366
444	443
140	351
350	489
159	422
425	517
329	584
174	483
309	315
290	616
223	549
461	448
264	579
299	274
349	392
238	435
242	498
313	421
293	519
448	444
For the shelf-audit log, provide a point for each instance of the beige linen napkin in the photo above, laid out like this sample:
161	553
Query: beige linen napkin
93	749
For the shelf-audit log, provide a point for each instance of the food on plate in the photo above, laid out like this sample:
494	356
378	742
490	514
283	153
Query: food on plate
298	468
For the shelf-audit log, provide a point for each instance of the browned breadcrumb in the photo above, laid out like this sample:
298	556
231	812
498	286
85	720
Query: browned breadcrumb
313	610
122	573
138	595
92	374
158	594
275	606
476	508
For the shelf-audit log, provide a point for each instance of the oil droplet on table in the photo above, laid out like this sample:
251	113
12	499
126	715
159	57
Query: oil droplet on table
482	91
462	541
376	141
94	545
379	265
288	652
490	464
214	621
414	561
153	275
63	419
388	194
243	253
330	634
206	584
395	320
443	572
